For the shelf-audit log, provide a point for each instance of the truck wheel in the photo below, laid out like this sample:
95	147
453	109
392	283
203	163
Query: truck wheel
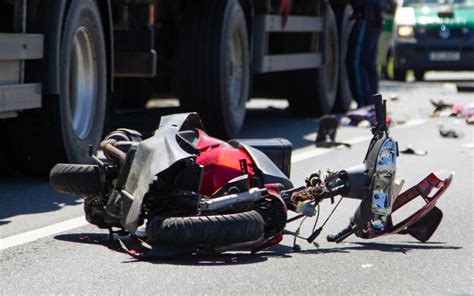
213	64
67	124
82	104
394	72
344	25
314	92
399	74
389	68
419	75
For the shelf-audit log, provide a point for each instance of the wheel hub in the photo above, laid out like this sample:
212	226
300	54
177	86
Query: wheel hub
82	82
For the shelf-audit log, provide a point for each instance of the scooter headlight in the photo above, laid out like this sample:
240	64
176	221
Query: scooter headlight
382	182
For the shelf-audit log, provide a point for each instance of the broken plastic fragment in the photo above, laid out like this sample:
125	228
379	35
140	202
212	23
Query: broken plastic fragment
450	133
410	150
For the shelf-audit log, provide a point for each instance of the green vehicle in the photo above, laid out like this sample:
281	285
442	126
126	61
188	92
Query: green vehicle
432	35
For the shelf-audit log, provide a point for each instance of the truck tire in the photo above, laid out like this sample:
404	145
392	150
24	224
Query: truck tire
394	72
344	25
76	179
213	64
199	231
67	124
399	74
82	104
419	75
314	92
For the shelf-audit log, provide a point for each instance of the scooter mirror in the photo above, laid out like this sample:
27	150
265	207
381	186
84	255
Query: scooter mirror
380	112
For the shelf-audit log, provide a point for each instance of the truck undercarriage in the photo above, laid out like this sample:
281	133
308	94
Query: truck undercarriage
65	64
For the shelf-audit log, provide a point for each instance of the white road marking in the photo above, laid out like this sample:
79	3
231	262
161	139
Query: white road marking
367	265
30	236
309	154
468	145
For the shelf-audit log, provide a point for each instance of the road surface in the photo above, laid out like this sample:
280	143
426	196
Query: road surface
47	248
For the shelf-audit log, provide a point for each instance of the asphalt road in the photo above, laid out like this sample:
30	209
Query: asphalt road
58	257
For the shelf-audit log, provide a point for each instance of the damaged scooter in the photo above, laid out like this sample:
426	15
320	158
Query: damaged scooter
181	191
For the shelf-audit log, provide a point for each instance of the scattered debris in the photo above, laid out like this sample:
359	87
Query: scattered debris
393	97
326	137
364	124
467	110
443	109
401	121
358	116
449	133
410	150
470	120
440	105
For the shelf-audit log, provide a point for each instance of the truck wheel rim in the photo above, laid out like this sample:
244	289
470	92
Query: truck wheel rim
82	82
236	70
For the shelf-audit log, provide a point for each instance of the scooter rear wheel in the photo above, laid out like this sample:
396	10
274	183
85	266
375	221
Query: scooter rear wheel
77	179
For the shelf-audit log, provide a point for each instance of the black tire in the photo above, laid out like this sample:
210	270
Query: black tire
76	143
198	231
344	25
76	179
419	75
67	124
314	92
390	65
399	74
204	79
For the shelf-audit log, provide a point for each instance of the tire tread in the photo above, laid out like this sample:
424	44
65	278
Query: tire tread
206	230
76	179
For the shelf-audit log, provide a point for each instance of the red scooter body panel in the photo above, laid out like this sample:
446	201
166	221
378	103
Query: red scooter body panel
221	163
423	189
431	188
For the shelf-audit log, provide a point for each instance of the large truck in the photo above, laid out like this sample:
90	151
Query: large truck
65	64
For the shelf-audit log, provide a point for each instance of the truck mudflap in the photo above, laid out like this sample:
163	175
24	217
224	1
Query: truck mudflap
424	222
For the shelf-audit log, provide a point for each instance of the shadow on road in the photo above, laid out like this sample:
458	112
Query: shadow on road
228	258
28	196
239	258
279	123
384	247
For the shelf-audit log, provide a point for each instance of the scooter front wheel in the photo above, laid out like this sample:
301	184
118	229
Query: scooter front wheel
197	231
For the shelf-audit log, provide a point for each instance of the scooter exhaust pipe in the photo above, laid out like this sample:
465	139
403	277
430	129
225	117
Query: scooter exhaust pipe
254	194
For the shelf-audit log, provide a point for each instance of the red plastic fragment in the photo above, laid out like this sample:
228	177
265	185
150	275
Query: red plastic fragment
425	190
